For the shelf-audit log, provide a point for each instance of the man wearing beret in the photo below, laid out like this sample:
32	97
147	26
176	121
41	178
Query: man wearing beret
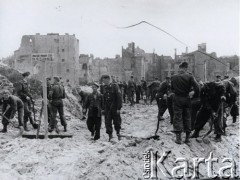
56	98
24	94
112	105
181	85
94	104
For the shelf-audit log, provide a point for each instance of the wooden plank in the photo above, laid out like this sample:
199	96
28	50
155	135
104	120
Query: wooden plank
50	136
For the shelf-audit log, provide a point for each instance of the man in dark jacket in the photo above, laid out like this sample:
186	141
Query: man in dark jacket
212	94
56	98
143	87
162	98
23	92
125	91
94	104
138	92
11	105
112	106
154	86
181	85
131	90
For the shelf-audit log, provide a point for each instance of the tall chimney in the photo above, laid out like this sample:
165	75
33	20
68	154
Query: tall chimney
175	53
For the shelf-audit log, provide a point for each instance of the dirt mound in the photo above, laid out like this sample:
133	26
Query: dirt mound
81	158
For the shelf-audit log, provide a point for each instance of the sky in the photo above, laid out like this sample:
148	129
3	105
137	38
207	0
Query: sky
95	23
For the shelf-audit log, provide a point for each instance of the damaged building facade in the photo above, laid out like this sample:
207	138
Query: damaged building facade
60	52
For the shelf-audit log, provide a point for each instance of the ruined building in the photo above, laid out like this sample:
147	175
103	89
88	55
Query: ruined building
59	51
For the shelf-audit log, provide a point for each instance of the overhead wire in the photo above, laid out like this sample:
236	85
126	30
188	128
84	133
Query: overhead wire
181	42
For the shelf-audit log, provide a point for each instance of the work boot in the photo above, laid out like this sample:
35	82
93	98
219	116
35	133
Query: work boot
195	134
234	119
187	138
178	138
4	130
65	128
110	137
119	137
35	125
218	138
25	127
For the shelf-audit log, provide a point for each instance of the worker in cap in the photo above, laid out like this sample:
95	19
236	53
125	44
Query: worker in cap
23	92
56	97
181	85
131	89
94	105
112	106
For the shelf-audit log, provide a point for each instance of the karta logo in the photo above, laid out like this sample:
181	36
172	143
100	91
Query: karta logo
155	167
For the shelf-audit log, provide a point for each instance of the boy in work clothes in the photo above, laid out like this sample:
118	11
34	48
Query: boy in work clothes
94	104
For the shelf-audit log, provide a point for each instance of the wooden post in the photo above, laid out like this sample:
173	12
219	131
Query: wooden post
45	101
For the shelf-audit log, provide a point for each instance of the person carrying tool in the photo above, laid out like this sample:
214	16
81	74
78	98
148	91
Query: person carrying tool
24	94
15	104
211	95
94	104
56	99
181	85
112	106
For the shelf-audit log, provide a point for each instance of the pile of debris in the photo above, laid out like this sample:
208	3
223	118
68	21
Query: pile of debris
5	83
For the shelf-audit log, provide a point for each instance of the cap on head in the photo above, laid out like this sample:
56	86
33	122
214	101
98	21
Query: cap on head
218	76
56	78
105	76
25	74
95	84
183	65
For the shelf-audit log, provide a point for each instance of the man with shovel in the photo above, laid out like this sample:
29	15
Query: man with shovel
11	105
24	94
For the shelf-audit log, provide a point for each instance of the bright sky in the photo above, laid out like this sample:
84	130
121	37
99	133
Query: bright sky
215	22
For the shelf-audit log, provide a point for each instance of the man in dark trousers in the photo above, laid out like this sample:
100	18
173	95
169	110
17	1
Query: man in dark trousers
112	106
181	85
56	98
162	98
24	94
11	105
131	90
143	87
94	104
211	95
124	91
138	92
154	86
231	99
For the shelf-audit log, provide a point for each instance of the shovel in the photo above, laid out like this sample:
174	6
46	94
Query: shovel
20	128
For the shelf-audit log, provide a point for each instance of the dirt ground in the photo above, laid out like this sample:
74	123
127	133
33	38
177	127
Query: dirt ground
82	158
